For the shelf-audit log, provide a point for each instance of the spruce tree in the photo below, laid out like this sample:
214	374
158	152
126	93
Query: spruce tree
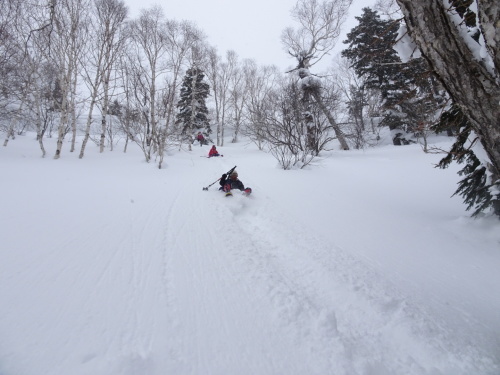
192	109
356	104
373	58
476	188
409	94
370	48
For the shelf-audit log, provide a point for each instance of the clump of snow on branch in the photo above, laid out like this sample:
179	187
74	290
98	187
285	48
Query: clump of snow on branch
478	49
308	81
405	46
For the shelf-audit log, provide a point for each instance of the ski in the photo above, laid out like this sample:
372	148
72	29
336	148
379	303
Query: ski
245	193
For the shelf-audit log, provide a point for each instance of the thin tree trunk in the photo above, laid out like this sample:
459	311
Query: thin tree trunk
193	105
105	104
40	128
73	112
331	120
63	122
152	115
87	127
10	131
126	144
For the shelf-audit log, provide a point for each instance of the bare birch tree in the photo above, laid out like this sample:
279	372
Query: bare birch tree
237	98
149	42
213	76
67	41
10	13
260	84
219	75
107	40
40	77
320	26
284	128
33	27
17	68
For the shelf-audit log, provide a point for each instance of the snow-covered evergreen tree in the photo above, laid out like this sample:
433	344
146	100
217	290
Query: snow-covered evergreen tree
409	94
192	115
370	48
373	58
475	185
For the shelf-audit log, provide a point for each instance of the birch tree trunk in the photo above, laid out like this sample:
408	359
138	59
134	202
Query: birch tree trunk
63	120
40	128
104	109
194	103
472	84
338	132
89	119
73	111
13	124
152	108
213	78
10	133
61	133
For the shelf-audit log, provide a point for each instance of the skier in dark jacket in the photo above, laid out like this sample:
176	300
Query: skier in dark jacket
227	184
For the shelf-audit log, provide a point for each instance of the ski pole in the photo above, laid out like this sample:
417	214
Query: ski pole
228	173
206	188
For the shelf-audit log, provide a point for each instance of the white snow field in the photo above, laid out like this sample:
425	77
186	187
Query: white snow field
360	264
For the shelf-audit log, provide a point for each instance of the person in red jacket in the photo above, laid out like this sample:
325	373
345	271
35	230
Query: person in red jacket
200	138
213	152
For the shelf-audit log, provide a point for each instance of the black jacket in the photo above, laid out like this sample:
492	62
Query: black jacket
235	184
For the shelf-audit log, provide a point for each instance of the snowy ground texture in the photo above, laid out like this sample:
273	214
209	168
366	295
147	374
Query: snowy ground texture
361	264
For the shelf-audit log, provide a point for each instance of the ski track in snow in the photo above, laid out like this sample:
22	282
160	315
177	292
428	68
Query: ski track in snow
203	284
325	295
319	296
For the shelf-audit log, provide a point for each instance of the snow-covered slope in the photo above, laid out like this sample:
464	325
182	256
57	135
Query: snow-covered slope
362	264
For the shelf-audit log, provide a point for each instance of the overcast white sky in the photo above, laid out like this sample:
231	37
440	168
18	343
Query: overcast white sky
251	28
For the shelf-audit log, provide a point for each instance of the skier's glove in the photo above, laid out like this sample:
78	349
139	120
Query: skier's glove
224	176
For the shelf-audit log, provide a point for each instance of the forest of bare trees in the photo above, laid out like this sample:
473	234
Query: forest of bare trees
86	73
82	70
